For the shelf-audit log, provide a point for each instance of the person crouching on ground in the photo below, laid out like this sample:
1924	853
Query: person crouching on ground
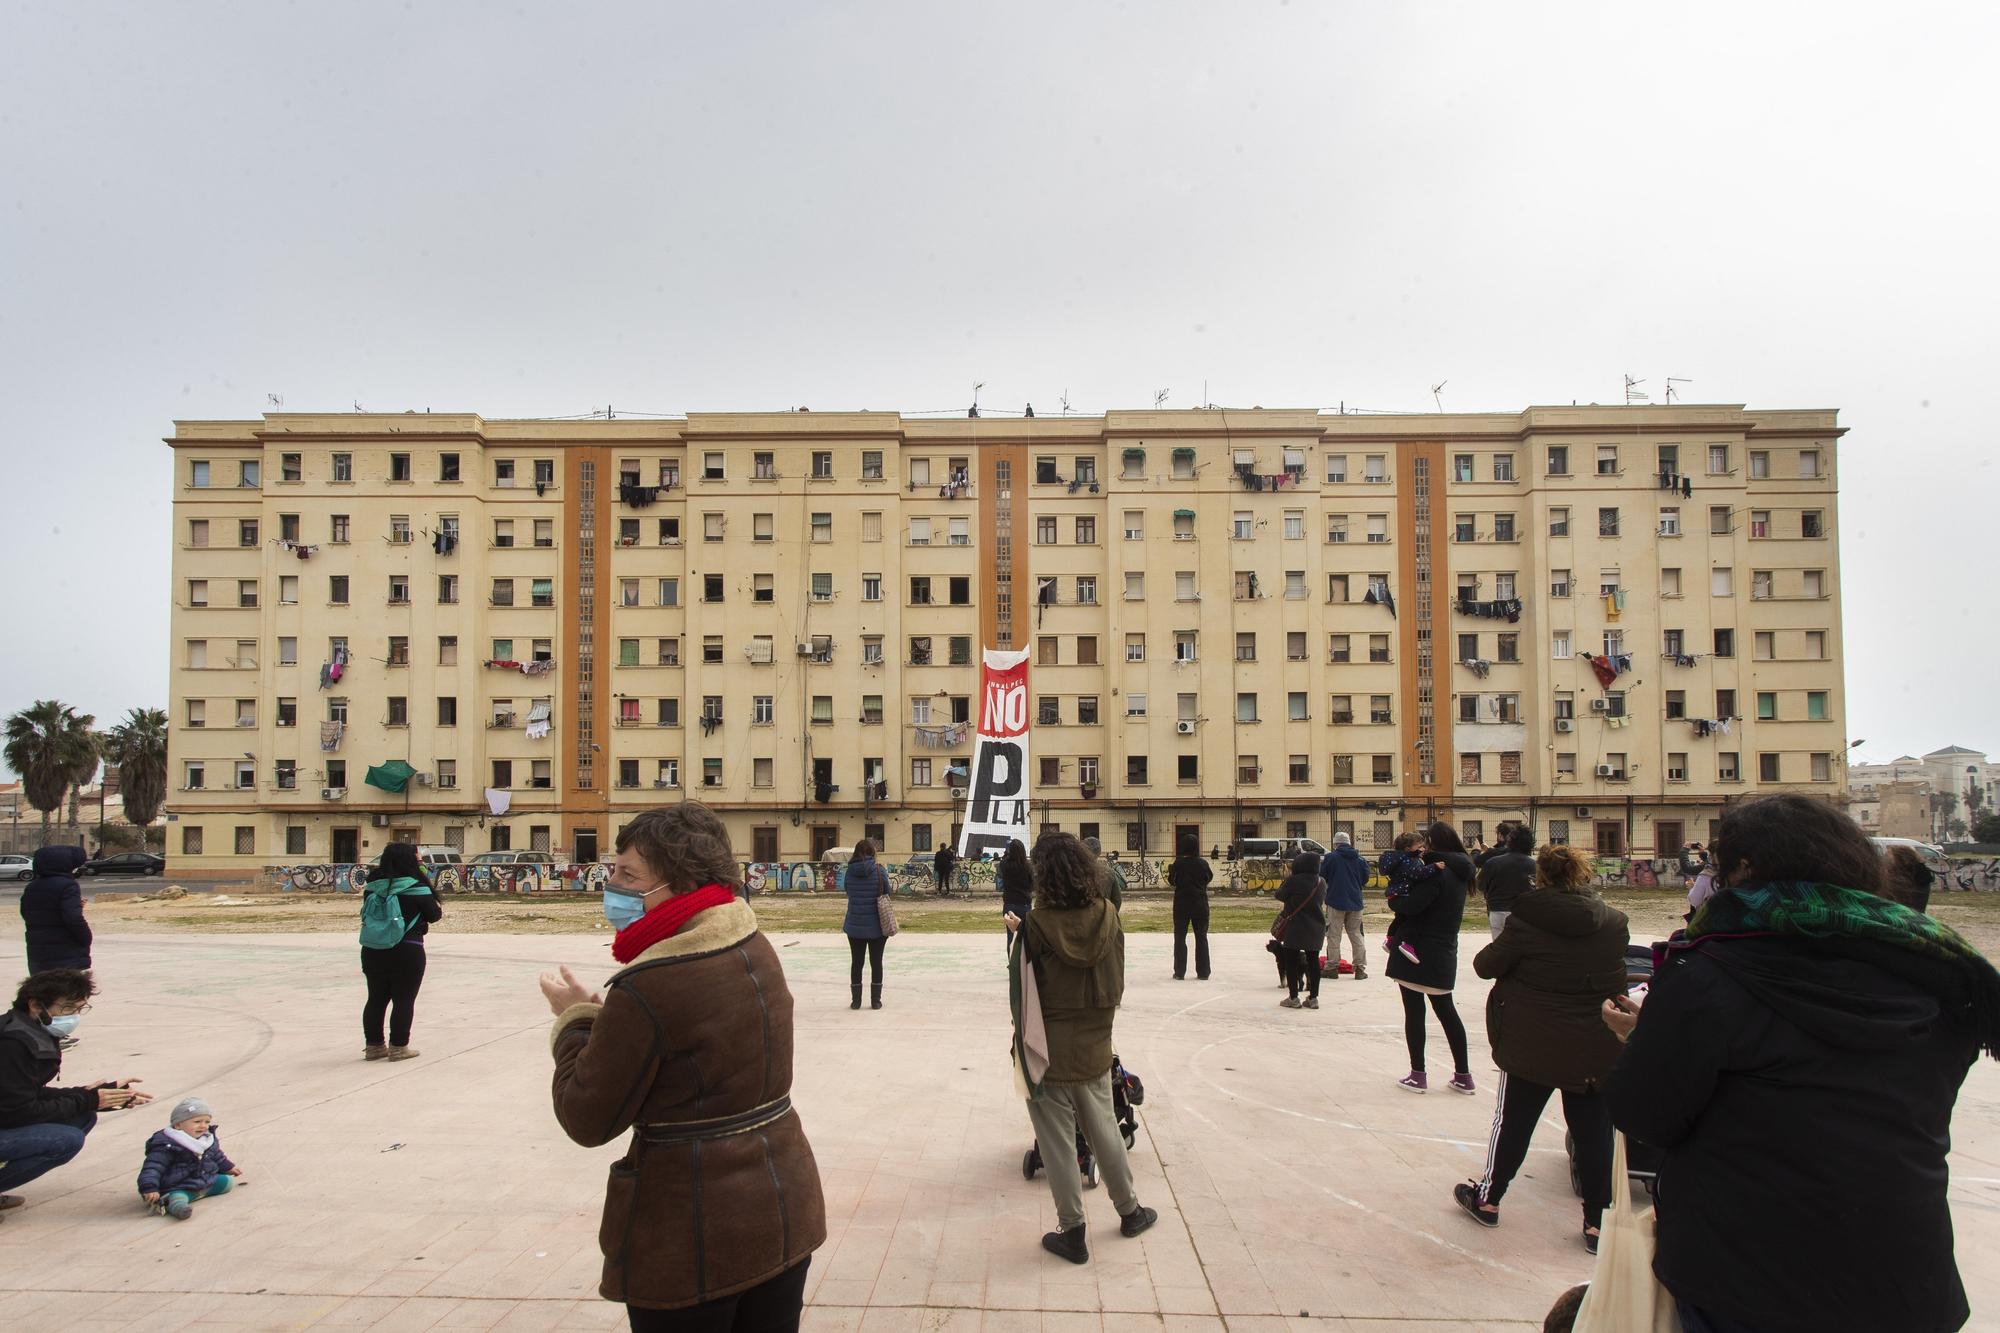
1073	955
185	1162
41	1127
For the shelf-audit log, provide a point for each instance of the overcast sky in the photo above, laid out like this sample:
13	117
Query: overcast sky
734	207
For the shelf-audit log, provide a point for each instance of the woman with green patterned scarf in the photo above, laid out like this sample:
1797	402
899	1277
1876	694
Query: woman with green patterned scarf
1797	1062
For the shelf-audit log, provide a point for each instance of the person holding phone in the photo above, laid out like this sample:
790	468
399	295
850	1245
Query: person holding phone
42	1127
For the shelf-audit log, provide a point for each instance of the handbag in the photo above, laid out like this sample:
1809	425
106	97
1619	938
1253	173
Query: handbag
885	913
1624	1296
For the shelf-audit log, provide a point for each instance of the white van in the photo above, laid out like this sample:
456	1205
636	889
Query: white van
1279	849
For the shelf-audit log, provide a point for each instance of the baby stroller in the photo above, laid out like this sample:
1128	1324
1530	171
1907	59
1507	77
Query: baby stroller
1126	1092
1642	1160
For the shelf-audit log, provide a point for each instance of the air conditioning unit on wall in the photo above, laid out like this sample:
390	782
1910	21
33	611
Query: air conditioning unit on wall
1565	724
332	793
379	821
1583	812
1184	728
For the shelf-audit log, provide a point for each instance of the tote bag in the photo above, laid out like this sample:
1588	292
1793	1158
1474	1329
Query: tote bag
1624	1296
885	914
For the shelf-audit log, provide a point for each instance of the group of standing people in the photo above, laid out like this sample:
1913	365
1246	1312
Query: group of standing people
1794	1063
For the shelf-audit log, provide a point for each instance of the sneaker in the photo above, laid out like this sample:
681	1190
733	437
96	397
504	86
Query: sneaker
1289	1002
374	1052
1467	1196
1067	1245
1361	974
180	1209
1312	1002
402	1053
1136	1221
1463	1083
1414	1081
1590	1240
8	1201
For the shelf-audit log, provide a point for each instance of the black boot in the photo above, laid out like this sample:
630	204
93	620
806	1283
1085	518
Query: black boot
857	996
1067	1245
874	996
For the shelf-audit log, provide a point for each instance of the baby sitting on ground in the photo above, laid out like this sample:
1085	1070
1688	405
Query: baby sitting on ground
185	1162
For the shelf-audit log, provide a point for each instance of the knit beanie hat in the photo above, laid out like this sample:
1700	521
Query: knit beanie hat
188	1108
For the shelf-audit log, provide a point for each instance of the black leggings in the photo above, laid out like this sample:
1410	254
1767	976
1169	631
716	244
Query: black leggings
1300	966
1448	1019
872	951
394	977
1516	1111
772	1306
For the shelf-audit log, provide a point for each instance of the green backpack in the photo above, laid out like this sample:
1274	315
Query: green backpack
382	924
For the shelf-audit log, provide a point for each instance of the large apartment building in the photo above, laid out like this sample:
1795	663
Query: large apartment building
1609	621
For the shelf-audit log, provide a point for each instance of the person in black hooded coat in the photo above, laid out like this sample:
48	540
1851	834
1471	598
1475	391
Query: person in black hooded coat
52	910
1796	1062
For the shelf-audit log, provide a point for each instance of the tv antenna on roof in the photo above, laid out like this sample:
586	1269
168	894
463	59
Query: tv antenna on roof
1672	380
1436	390
275	399
1632	392
1065	402
973	411
1159	397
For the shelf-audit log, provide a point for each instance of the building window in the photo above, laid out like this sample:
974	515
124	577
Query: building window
1767	767
1607	522
1607	460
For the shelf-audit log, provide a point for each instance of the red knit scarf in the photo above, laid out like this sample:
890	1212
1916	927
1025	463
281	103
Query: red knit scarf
665	921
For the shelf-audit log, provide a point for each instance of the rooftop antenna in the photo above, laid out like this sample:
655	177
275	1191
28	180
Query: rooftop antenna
1632	392
1159	397
1672	380
973	411
275	399
358	407
1436	390
1065	402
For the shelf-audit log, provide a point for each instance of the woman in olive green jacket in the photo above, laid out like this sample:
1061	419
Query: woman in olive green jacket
1076	950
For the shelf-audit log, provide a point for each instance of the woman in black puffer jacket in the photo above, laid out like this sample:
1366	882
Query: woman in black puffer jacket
1300	931
1423	953
1558	958
52	910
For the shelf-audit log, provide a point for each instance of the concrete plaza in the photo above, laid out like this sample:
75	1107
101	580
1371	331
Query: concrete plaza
1297	1186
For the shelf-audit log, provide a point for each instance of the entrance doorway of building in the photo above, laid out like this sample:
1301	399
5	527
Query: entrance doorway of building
346	846
764	844
1667	839
1610	836
1184	834
825	837
586	846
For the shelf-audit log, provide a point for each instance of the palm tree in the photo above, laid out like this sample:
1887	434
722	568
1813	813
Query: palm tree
48	744
138	746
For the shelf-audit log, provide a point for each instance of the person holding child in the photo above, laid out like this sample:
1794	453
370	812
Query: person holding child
1423	949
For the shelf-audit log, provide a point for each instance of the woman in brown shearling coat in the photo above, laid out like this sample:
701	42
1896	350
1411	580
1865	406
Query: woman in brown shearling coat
712	1215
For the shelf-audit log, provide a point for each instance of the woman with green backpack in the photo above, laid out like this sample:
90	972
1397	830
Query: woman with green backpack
397	908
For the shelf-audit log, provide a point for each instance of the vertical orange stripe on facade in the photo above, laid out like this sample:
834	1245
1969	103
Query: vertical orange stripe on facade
585	807
1426	675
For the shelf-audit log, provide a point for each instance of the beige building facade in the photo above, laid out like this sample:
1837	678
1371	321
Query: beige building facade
1242	623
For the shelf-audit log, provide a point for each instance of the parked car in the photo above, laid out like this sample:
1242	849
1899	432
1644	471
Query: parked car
17	867
1283	849
1933	857
125	863
513	859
